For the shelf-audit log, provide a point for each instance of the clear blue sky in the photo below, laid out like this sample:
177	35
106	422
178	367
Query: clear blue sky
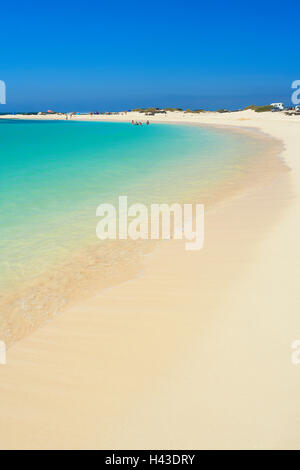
95	55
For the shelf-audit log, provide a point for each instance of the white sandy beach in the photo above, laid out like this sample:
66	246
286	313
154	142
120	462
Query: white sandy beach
196	352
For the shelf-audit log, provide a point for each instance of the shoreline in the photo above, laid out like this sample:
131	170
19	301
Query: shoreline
26	309
173	358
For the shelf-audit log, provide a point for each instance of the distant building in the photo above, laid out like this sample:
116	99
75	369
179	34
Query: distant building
297	108
278	106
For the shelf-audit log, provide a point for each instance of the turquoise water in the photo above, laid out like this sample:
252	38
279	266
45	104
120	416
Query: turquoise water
53	176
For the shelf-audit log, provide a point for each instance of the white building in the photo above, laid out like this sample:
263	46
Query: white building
297	108
278	106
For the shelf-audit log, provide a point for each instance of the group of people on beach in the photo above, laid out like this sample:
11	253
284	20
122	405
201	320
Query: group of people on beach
138	123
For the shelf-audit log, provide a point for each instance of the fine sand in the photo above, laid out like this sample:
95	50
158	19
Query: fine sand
196	352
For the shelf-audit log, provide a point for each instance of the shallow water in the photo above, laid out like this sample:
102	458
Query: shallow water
53	175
